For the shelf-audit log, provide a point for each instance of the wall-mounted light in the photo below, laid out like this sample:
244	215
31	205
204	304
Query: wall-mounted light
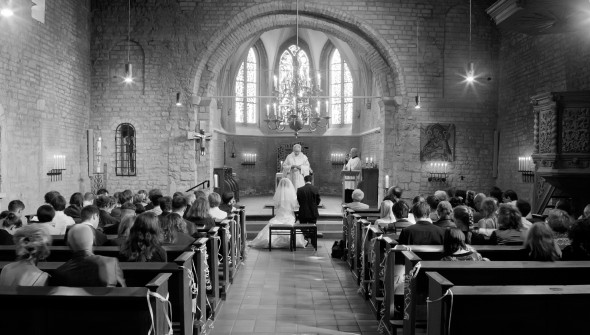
59	165
439	171
6	12
417	99
527	168
128	73
249	159
178	103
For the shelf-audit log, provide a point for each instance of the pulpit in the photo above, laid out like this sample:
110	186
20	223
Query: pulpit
350	180
370	186
224	182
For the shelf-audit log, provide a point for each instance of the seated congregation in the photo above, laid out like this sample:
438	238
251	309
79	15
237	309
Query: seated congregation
127	243
431	264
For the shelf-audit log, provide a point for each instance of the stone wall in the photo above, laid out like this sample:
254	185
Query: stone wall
182	47
533	65
44	100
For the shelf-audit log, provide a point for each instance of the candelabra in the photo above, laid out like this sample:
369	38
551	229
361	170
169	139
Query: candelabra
438	172
527	168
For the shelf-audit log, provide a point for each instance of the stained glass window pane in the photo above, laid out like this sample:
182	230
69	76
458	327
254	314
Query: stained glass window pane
246	86
341	87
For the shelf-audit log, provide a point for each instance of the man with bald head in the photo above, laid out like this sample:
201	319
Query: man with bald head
86	269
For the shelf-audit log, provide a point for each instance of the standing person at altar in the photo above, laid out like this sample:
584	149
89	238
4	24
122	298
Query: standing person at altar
296	166
354	163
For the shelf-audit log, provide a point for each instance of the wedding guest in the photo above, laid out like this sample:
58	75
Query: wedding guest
559	222
154	195
490	220
423	232
105	206
496	193
477	200
17	207
525	209
357	198
165	204
228	202
174	230
509	228
123	232
401	211
215	212
539	244
60	220
76	204
144	241
45	215
455	249
199	215
9	224
433	201
88	199
386	219
444	211
579	248
509	197
32	245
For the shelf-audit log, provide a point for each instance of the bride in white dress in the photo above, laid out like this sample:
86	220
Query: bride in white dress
285	201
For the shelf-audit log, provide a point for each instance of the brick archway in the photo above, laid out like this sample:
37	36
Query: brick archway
369	45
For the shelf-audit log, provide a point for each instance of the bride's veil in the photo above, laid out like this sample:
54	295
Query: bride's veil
285	195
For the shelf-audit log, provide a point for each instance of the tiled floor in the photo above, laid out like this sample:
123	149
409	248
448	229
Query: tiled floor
302	292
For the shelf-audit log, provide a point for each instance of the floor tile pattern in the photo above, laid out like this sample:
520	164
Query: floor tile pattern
302	292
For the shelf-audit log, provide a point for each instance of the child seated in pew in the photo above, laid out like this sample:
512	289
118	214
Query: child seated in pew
144	241
540	245
32	245
455	249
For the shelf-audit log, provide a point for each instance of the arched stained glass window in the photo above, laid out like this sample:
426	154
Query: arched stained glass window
246	87
125	150
292	59
341	90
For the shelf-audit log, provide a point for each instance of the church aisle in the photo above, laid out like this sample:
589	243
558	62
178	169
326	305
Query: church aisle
302	292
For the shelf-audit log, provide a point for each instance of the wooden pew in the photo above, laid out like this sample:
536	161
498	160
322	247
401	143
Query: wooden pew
353	238
395	268
224	260
380	249
488	273
367	276
213	265
87	310
137	274
514	309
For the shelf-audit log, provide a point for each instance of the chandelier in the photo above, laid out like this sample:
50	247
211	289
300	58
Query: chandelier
296	98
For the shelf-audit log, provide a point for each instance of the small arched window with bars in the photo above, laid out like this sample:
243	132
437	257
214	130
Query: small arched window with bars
125	150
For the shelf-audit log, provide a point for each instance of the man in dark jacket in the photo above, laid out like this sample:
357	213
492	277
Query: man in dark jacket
309	199
423	232
86	269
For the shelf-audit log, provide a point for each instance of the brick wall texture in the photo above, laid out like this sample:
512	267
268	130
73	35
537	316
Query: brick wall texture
65	76
44	99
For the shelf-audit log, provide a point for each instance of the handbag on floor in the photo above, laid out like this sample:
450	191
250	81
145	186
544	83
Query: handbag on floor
338	249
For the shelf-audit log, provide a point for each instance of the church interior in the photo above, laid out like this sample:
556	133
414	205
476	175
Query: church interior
464	96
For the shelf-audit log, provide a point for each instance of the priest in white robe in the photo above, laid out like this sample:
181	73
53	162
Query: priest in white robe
296	166
350	182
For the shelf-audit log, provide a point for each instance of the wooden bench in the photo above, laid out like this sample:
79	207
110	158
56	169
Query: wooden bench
87	310
513	309
487	273
368	256
354	237
181	270
272	207
394	268
224	259
280	229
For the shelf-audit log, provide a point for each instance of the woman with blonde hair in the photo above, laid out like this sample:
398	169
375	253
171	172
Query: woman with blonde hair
32	245
386	219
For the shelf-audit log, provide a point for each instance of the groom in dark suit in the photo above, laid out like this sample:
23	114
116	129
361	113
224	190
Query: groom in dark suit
309	199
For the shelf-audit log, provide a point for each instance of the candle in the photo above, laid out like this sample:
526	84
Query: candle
386	181
371	160
215	180
319	78
366	160
275	82
327	107
255	157
267	110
